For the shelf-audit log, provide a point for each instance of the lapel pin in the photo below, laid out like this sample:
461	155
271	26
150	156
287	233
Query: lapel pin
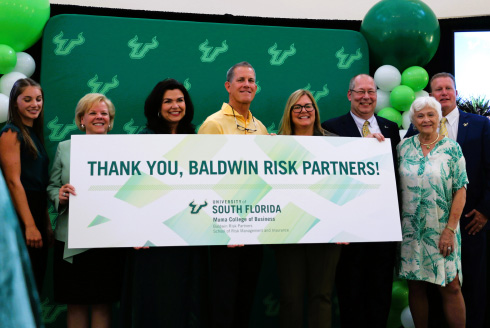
465	124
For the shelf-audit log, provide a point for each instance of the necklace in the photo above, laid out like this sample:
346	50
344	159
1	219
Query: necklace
429	144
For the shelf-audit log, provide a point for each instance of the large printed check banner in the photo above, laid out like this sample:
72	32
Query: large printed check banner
163	190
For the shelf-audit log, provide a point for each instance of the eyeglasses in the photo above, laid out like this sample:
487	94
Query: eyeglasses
241	127
298	108
363	92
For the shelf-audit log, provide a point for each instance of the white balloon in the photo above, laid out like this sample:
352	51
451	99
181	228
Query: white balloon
406	318
4	107
7	81
421	93
25	64
387	77
383	100
405	120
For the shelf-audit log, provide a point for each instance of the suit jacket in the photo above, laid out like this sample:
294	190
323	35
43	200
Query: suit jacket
345	126
370	301
474	139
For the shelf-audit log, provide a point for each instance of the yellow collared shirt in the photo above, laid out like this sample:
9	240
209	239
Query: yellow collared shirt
223	122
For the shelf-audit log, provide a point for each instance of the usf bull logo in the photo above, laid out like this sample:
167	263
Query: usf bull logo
271	305
59	131
139	50
272	128
65	46
130	128
187	85
346	60
101	87
318	94
209	54
279	56
196	208
51	311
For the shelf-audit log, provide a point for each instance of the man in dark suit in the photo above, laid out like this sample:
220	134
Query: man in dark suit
365	270
472	132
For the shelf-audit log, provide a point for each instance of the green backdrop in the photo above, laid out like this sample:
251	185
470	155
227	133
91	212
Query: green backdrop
124	58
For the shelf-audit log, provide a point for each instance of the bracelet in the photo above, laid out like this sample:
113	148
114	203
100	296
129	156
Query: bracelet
451	229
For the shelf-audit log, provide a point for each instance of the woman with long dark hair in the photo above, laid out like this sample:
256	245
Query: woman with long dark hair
169	109
24	162
163	283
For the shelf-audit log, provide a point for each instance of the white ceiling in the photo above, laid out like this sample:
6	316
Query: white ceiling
311	9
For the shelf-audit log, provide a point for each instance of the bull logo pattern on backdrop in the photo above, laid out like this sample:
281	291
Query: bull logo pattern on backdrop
209	54
186	51
346	60
278	57
138	49
65	46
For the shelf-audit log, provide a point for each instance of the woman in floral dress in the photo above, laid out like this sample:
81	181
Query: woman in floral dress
432	181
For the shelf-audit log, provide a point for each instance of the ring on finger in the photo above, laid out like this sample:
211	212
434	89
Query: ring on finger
64	194
449	248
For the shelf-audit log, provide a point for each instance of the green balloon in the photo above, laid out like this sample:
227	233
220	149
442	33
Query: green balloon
415	77
399	300
402	97
22	22
8	59
399	295
394	318
391	114
401	33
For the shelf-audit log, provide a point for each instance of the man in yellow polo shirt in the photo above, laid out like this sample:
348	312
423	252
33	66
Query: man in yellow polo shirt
234	270
235	116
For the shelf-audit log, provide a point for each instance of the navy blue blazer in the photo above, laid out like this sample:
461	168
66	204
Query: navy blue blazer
345	126
474	139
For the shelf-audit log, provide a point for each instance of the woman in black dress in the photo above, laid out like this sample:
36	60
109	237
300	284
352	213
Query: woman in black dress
164	284
25	163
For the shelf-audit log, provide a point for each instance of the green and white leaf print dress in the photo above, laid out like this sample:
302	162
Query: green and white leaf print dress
427	185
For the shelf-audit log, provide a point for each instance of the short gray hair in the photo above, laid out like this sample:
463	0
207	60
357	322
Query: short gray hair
231	72
421	103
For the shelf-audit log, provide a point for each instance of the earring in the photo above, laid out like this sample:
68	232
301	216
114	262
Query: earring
109	126
159	114
82	126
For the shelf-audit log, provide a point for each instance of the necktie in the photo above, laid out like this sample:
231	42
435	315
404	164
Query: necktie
443	128
365	129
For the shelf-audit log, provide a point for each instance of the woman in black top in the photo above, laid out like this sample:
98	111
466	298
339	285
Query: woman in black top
24	162
164	285
305	267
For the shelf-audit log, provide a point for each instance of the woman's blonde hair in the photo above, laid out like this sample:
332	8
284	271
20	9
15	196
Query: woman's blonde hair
87	101
286	125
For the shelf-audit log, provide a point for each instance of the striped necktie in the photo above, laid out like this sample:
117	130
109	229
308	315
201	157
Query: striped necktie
365	129
443	128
